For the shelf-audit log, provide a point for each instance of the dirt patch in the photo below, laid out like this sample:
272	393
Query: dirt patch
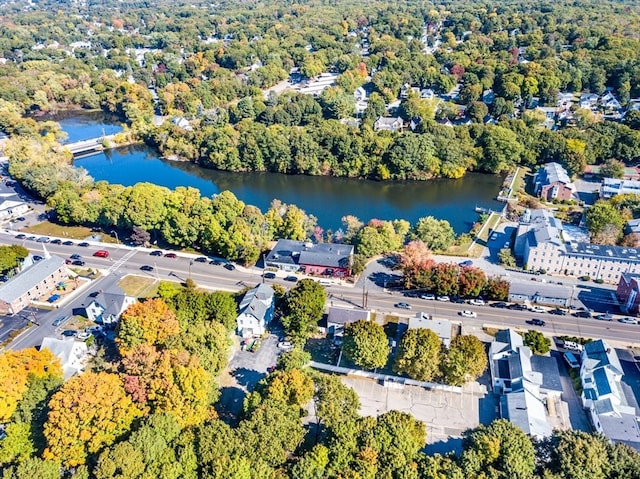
139	286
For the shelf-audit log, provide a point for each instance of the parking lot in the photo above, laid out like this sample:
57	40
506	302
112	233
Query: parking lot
446	414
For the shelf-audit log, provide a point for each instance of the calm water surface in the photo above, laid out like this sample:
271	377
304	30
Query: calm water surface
329	199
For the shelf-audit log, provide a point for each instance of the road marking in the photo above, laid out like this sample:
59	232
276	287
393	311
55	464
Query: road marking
121	261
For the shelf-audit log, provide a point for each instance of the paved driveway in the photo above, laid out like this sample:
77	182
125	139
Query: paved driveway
243	373
577	415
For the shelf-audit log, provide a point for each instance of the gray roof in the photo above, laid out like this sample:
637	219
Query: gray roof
614	186
541	290
387	121
553	172
527	411
622	428
257	301
607	252
30	278
63	350
301	253
602	355
338	315
511	338
548	367
441	327
111	301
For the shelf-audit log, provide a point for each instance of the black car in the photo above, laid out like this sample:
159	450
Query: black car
156	252
56	241
146	267
78	262
31	238
229	266
75	256
558	312
37	258
21	218
293	279
216	262
517	307
21	236
582	314
201	259
68	243
537	322
69	333
94	294
84	244
269	275
500	304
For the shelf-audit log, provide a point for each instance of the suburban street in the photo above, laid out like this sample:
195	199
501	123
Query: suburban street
124	260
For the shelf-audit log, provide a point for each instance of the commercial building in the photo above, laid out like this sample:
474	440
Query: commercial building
603	396
537	293
32	283
324	259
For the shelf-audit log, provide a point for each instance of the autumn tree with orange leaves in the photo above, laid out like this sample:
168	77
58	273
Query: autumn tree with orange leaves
149	322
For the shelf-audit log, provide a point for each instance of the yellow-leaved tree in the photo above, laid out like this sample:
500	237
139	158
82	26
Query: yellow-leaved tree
89	412
16	370
150	322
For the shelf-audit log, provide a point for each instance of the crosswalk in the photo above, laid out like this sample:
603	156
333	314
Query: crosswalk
122	261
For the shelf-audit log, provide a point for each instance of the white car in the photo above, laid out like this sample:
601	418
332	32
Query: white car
477	302
443	298
468	314
83	335
285	345
628	320
428	296
537	309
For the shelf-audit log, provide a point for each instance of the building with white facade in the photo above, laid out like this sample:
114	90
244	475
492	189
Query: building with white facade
611	187
256	311
72	354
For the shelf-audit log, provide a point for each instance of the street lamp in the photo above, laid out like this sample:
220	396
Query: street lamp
114	232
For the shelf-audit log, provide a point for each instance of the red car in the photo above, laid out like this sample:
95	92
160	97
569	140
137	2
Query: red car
101	253
170	255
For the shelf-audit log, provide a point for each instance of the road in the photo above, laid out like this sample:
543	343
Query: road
124	260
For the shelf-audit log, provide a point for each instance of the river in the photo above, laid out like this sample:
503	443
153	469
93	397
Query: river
328	199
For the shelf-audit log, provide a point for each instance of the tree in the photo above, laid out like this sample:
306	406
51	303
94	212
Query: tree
436	234
148	322
612	168
497	288
303	307
445	279
11	256
502	448
602	217
366	344
418	355
537	341
466	360
335	403
296	358
140	237
502	149
578	455
89	412
477	111
505	257
472	281
293	387
417	265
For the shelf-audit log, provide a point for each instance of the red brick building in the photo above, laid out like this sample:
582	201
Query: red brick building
628	293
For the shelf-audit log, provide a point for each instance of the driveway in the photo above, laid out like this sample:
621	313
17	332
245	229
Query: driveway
577	415
631	378
243	373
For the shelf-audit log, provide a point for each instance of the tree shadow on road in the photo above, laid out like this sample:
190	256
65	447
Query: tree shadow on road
229	406
247	377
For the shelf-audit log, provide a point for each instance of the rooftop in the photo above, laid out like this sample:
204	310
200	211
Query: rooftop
527	411
304	253
338	315
542	290
441	327
257	301
29	278
553	172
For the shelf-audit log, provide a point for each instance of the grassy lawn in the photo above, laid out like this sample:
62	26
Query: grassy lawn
519	182
139	287
47	228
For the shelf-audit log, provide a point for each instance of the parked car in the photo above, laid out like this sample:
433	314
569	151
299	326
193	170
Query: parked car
572	346
444	298
31	238
43	239
468	314
69	333
582	314
67	243
101	253
84	244
78	262
604	317
477	302
146	267
429	296
170	255
37	258
558	312
83	335
94	294
403	305
53	298
56	241
293	279
465	263
537	309
57	322
229	266
20	218
216	262
269	275
21	236
537	322
499	304
156	252
201	259
628	320
75	256
285	345
571	360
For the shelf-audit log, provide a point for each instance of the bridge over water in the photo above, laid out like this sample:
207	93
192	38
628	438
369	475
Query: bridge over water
92	145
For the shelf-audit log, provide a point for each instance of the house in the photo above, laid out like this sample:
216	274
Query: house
181	122
565	99
108	306
488	97
603	396
415	122
360	94
608	101
385	123
441	327
613	187
404	91
10	208
632	226
32	283
338	317
328	259
628	293
256	311
588	101
72	354
427	94
552	182
526	383
550	295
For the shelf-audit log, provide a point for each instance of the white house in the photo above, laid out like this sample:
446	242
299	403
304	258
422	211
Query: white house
107	306
388	124
609	101
72	354
9	208
256	311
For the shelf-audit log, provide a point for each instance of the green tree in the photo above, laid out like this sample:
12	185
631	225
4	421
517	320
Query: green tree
477	111
466	360
472	281
11	256
501	148
578	455
445	278
418	355
537	341
335	403
366	344
497	288
296	358
505	257
438	235
303	307
604	222
612	168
